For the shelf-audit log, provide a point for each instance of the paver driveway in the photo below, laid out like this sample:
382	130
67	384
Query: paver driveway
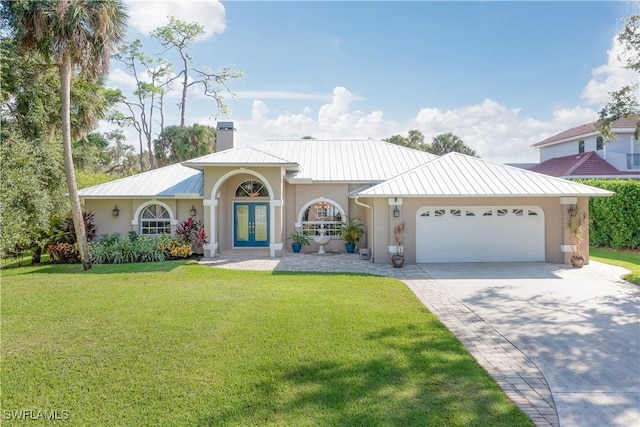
581	327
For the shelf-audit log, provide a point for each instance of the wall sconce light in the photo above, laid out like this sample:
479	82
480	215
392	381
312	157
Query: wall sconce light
192	212
573	210
115	211
396	211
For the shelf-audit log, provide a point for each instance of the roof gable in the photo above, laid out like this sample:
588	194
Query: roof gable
579	165
238	156
620	125
458	175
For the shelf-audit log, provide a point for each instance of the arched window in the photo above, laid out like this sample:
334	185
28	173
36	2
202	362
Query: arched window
155	220
252	188
322	214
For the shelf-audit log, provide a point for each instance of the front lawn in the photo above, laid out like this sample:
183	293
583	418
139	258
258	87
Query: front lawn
180	344
627	259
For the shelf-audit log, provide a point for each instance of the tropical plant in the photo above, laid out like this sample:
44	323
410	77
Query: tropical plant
192	232
352	230
297	237
398	233
78	36
576	224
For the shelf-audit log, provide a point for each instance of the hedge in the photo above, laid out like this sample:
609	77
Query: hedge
615	221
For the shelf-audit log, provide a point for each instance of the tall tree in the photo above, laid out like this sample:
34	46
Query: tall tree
152	78
79	36
177	144
415	140
180	36
447	143
623	103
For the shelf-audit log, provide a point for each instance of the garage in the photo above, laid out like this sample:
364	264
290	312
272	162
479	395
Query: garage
480	234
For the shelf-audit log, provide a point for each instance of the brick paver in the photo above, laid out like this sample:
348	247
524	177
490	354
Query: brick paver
514	372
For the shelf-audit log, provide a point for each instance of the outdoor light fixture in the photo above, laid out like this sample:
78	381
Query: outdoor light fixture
192	212
115	211
396	209
573	209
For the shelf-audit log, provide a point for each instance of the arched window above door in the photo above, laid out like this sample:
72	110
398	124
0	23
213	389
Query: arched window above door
251	188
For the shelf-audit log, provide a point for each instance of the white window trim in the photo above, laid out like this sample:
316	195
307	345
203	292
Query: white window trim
136	216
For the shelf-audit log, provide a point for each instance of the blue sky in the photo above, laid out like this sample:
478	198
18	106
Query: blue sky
501	75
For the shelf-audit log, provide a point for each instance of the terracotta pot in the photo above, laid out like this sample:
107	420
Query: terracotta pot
397	261
577	261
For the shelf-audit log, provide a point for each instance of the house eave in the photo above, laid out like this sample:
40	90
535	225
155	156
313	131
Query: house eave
481	196
201	166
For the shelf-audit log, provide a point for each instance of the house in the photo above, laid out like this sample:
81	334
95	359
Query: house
456	208
581	152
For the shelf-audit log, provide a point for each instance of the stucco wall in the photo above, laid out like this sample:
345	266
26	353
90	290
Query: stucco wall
108	224
383	222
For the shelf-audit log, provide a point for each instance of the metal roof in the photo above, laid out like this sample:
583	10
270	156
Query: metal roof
169	181
242	156
458	175
353	161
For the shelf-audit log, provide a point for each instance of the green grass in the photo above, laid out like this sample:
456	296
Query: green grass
180	344
627	259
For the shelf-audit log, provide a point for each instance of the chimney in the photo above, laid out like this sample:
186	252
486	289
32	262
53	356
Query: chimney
224	136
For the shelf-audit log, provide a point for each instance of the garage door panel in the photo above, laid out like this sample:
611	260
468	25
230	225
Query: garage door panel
480	234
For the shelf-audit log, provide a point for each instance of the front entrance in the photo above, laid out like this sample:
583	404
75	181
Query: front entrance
251	224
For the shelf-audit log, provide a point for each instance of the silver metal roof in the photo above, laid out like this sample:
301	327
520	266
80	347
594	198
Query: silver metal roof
170	181
240	156
367	160
456	175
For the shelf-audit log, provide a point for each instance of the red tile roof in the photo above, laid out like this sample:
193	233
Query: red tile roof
589	128
584	164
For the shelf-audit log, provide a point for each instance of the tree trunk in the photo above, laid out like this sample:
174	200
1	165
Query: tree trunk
76	208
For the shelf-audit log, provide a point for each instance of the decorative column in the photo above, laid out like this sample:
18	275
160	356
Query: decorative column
211	248
567	246
273	245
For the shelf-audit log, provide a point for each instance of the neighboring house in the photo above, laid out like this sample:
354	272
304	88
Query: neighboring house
581	152
456	208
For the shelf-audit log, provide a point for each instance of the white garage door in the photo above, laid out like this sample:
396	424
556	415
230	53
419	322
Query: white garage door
479	234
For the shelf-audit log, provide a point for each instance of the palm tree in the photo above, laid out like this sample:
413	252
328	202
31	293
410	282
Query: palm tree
79	36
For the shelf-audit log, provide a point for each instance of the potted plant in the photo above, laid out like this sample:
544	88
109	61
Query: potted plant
352	230
576	225
397	259
298	241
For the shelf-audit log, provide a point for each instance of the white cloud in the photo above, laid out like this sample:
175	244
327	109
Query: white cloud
497	132
608	77
145	16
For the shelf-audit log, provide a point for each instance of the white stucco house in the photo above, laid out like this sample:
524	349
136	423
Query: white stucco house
456	208
581	152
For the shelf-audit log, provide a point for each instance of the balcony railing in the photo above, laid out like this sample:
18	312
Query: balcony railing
633	161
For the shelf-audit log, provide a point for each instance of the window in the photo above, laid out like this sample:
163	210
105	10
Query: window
155	220
322	215
581	146
455	212
251	189
599	143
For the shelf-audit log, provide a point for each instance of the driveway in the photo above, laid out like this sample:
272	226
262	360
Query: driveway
580	327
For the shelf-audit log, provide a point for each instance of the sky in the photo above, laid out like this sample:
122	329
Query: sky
500	75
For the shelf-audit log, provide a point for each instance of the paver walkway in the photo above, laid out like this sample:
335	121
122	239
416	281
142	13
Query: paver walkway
516	374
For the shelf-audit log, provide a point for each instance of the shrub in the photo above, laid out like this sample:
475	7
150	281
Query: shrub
114	249
192	232
174	247
615	220
65	253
